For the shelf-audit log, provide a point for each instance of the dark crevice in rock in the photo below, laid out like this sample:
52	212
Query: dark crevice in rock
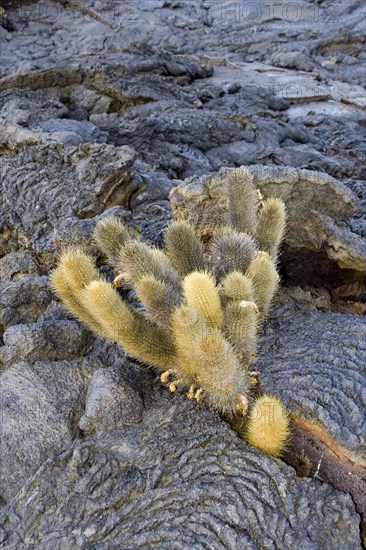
301	265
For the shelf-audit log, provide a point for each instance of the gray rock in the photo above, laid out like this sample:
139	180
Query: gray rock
64	183
61	204
176	447
41	404
110	402
198	119
23	300
84	97
102	105
315	362
80	231
17	264
29	108
153	219
55	311
179	479
128	371
51	77
13	137
46	340
71	132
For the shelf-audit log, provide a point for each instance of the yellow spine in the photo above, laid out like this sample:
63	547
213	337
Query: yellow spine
188	327
79	268
268	425
219	373
184	248
265	279
236	287
110	235
201	293
69	297
138	260
241	327
127	327
271	226
75	270
231	251
159	299
243	200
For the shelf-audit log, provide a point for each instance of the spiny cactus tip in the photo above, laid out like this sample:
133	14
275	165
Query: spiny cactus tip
110	234
271	226
201	293
268	425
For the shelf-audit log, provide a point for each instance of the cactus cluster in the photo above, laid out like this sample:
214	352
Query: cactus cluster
197	310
